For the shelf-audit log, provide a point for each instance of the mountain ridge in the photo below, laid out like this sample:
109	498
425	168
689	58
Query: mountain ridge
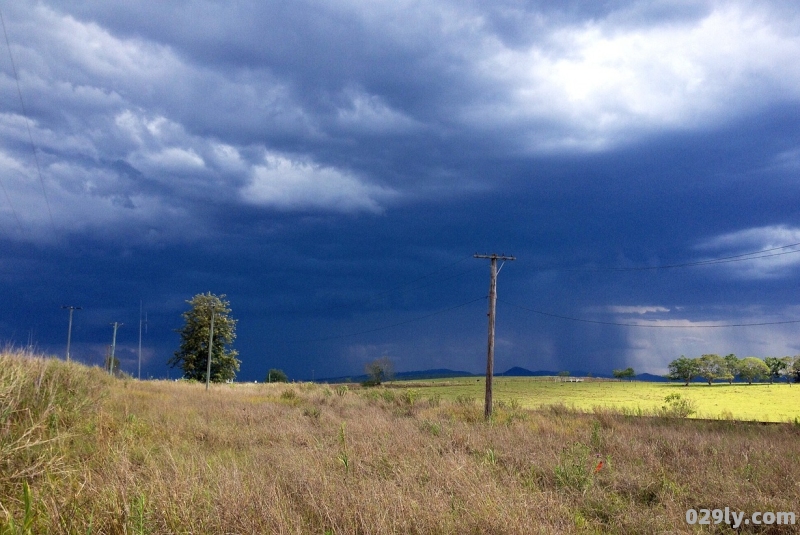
514	371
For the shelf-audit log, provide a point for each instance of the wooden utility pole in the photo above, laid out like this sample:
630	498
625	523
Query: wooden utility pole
113	348
140	338
69	331
487	409
210	348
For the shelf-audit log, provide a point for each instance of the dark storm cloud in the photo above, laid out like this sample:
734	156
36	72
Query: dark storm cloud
308	158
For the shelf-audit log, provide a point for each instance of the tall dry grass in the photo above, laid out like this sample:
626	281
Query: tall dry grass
43	414
161	457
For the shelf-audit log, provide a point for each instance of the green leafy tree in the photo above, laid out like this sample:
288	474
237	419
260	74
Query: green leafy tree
711	367
787	370
796	368
192	357
277	376
776	366
683	369
752	369
379	370
627	373
732	365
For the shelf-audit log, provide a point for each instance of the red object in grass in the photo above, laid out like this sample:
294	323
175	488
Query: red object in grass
598	467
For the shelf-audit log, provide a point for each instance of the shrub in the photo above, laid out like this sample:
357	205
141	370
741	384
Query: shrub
462	400
289	394
572	470
677	407
408	397
312	412
433	428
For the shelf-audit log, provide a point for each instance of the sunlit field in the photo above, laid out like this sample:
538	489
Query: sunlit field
761	401
84	453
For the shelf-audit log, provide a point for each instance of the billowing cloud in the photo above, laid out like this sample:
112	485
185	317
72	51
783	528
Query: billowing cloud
290	184
465	75
601	84
181	144
370	114
619	309
756	253
651	349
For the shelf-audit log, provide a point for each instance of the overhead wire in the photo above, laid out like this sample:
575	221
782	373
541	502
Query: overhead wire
740	257
27	125
421	277
649	326
11	205
754	255
405	287
384	327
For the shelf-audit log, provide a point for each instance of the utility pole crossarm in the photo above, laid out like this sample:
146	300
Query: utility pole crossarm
492	306
494	256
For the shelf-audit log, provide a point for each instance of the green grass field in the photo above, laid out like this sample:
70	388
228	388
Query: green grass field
761	402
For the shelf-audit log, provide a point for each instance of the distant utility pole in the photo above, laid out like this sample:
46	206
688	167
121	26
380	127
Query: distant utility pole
140	340
487	409
69	331
113	348
210	347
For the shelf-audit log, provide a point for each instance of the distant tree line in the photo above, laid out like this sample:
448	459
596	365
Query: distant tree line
716	368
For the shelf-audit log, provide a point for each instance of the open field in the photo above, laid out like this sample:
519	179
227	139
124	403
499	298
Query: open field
108	456
760	402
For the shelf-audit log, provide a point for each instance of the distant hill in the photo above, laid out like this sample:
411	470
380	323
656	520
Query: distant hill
652	378
439	373
516	371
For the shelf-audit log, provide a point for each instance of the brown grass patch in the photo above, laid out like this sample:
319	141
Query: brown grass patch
166	457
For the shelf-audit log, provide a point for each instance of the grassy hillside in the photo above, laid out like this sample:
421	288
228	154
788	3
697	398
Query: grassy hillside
760	402
114	456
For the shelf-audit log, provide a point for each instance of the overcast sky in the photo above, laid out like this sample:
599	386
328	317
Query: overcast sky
332	166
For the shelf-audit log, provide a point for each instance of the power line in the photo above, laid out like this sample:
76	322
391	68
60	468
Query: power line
620	324
734	258
754	255
405	287
425	276
27	124
419	318
10	204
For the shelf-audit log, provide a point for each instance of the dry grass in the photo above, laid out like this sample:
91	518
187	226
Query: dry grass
160	457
